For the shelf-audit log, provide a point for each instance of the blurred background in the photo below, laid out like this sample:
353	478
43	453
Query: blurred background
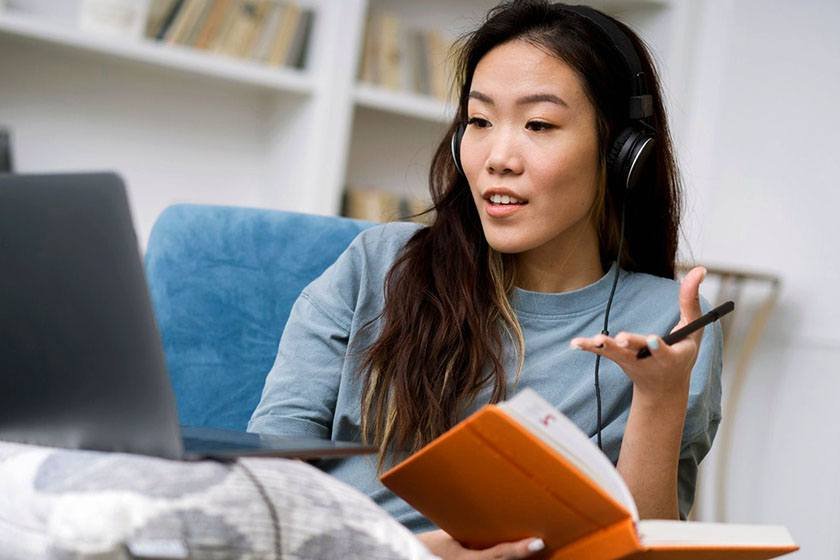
336	106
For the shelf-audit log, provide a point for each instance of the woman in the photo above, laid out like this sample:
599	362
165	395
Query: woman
414	328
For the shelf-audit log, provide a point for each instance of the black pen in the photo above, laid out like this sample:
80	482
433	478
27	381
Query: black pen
697	324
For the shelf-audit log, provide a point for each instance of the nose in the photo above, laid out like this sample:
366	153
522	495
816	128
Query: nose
505	156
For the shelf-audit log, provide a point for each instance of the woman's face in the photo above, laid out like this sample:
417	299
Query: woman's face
530	152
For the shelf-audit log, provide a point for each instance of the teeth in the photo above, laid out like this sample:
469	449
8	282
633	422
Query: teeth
504	199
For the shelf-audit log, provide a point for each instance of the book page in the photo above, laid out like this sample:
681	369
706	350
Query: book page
657	532
555	429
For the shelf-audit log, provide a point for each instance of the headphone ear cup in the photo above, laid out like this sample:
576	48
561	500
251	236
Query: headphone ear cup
456	147
627	156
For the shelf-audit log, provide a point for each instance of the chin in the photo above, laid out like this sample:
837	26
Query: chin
504	242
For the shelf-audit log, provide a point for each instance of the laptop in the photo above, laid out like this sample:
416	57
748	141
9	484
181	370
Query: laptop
81	360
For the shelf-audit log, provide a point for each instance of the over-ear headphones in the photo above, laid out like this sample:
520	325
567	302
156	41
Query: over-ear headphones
634	144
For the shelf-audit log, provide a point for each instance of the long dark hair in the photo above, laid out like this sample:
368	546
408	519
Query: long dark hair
447	310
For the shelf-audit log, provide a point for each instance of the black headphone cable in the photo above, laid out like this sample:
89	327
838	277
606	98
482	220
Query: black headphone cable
605	330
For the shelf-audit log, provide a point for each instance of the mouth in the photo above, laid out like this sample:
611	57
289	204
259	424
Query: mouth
504	199
500	204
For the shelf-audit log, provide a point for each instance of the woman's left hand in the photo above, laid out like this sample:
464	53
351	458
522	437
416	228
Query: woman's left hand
667	372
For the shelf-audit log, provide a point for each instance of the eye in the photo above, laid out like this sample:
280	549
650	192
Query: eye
477	121
539	126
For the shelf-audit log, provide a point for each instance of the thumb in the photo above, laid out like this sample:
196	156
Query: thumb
690	295
512	550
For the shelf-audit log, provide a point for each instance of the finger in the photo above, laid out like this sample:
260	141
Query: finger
630	340
654	345
591	344
596	343
518	549
690	295
606	347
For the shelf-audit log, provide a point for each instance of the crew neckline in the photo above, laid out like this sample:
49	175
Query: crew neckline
582	299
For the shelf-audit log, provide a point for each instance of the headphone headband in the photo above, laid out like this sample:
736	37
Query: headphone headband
641	102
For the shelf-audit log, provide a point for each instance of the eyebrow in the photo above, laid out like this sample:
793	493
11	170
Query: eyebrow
526	100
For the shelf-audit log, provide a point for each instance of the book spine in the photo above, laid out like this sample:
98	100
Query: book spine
198	25
180	27
156	16
238	29
296	57
212	24
421	71
368	72
6	165
169	20
262	16
260	51
390	54
436	51
250	21
409	59
224	28
371	204
282	41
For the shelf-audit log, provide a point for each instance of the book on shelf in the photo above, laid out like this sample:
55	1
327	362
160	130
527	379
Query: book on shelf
185	20
162	14
417	62
521	469
268	31
377	205
296	57
390	56
272	32
399	57
211	25
368	70
240	34
190	37
6	163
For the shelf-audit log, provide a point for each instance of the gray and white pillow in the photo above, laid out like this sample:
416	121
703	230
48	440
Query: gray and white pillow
68	504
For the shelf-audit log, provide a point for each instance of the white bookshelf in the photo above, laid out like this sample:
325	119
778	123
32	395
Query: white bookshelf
184	125
409	104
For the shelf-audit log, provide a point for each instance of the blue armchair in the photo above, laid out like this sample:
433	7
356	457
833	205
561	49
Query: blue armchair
223	280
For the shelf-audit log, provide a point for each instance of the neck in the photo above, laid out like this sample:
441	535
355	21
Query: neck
561	265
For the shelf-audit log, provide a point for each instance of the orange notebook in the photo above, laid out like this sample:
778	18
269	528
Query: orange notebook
521	469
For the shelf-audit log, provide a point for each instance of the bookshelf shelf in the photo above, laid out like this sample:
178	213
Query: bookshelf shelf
422	107
168	56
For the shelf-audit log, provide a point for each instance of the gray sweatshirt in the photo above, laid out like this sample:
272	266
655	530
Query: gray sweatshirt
314	388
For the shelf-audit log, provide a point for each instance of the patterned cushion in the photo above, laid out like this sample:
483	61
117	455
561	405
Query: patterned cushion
57	503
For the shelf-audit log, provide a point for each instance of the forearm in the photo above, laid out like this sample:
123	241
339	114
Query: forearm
650	453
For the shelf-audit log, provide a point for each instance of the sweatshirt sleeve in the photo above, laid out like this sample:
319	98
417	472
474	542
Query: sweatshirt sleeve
300	392
703	414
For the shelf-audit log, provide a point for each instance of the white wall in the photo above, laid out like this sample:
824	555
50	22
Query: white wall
198	140
762	178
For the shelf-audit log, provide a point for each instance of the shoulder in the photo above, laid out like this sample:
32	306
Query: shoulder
643	286
374	250
357	277
384	240
376	247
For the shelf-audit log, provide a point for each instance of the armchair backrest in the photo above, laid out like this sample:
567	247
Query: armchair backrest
223	280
